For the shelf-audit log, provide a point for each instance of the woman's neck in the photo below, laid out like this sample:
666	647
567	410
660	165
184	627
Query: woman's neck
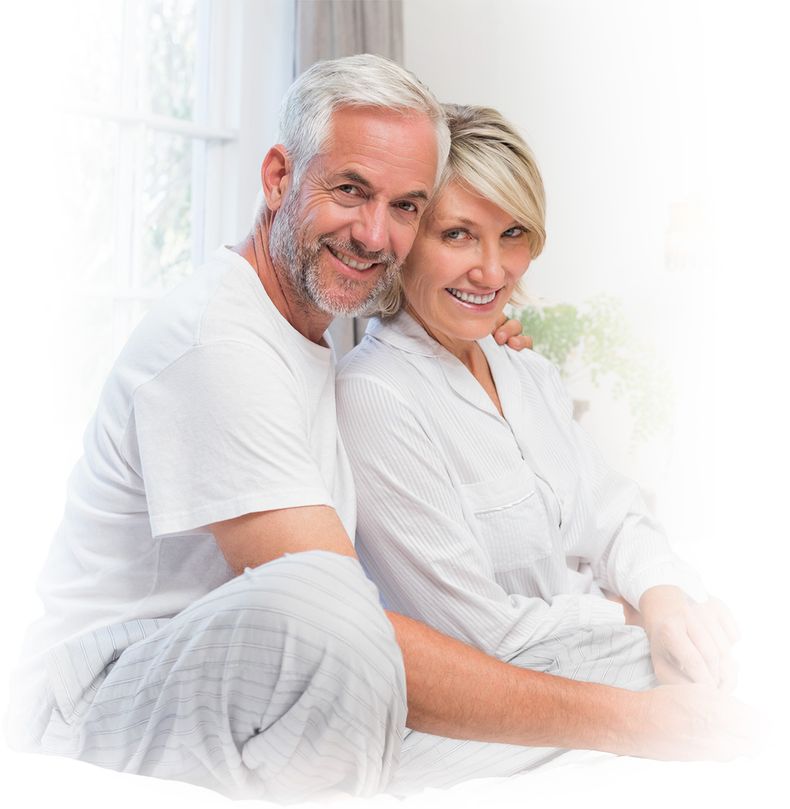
470	354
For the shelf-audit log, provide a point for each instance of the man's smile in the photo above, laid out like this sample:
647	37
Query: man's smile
355	264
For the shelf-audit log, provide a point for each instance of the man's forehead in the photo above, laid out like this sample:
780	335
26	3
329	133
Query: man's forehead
374	146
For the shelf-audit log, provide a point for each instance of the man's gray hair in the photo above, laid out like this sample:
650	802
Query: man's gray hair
363	80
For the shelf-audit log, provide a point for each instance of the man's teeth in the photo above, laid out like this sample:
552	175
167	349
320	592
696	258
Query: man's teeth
349	262
467	298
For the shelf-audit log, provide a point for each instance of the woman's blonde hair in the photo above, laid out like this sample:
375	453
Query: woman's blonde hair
490	158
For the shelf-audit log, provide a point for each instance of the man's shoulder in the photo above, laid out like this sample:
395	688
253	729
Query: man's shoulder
221	300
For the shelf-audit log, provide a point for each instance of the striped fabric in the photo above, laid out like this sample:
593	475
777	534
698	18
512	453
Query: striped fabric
285	682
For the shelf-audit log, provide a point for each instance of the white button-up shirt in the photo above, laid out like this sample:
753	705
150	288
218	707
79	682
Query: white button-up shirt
499	531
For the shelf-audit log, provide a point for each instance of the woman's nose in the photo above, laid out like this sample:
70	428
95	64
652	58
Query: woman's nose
489	271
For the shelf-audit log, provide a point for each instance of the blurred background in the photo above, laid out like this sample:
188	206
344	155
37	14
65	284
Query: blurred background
131	149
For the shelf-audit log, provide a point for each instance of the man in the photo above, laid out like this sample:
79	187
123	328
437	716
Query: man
206	618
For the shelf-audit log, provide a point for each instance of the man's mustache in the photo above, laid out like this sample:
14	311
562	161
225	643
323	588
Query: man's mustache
355	248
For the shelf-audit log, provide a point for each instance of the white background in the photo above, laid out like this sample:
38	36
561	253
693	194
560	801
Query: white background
662	132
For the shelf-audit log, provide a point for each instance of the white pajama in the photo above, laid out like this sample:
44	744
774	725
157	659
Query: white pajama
284	682
151	656
499	530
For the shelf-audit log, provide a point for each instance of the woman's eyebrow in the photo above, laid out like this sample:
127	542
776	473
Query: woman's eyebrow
455	220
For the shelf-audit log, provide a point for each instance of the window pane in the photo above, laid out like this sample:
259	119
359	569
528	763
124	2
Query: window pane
93	52
172	57
87	190
166	209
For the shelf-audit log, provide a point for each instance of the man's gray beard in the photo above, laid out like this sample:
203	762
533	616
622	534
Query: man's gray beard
299	260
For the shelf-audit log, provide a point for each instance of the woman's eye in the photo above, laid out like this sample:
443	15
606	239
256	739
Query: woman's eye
514	232
455	235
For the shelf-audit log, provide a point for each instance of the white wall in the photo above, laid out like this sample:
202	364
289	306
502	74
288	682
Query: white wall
597	89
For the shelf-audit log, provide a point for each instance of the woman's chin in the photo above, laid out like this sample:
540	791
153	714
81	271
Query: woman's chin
469	334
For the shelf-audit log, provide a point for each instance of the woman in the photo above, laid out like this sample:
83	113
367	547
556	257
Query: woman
483	509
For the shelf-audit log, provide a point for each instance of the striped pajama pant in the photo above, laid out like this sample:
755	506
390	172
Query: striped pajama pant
285	683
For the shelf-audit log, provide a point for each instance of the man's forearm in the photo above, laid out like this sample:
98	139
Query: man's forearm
457	691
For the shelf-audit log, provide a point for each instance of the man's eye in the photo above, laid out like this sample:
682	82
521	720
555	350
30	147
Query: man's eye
351	190
408	207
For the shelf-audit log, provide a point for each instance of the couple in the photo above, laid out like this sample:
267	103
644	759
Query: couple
207	618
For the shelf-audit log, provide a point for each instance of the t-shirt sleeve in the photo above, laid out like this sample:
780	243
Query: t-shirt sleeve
224	431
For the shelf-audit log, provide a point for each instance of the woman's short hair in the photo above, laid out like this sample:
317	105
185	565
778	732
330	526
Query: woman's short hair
490	158
363	80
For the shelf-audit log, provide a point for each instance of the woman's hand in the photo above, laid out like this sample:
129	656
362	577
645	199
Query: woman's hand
689	642
631	614
509	331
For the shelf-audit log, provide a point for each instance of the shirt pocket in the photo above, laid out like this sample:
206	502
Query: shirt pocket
509	519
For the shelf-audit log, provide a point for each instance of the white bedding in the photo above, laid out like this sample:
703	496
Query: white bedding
597	781
583	780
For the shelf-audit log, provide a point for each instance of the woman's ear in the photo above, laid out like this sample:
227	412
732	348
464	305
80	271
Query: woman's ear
275	176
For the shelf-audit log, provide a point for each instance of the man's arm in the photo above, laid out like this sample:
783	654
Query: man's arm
254	539
457	691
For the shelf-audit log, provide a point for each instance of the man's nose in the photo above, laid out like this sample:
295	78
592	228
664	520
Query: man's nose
371	227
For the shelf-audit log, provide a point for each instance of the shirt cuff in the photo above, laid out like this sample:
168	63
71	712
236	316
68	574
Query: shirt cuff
670	573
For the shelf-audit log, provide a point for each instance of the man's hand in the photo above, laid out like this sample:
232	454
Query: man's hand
689	642
690	722
509	331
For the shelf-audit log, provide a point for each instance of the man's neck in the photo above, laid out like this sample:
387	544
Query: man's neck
306	319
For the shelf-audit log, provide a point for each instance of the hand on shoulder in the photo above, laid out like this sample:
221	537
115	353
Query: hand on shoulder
509	332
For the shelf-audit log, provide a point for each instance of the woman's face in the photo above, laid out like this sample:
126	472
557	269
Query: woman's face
468	256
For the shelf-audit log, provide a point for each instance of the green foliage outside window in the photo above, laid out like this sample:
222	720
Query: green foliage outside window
598	335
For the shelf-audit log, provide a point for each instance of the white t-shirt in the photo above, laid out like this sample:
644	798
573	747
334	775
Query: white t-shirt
216	407
500	531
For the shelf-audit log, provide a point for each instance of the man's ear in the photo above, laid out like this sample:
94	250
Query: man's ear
275	176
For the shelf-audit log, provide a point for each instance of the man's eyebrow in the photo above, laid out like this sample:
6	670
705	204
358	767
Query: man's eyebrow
354	177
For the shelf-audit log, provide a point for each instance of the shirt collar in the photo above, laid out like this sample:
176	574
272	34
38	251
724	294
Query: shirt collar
403	332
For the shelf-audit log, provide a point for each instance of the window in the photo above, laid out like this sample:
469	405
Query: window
148	118
168	108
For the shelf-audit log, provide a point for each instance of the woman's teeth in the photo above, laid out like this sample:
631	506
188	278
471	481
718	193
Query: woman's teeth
467	298
349	262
